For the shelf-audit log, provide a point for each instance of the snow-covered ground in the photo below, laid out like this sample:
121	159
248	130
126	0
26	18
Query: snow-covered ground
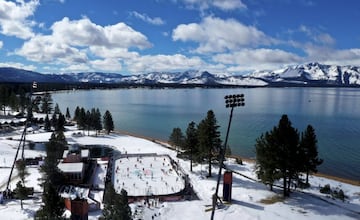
144	175
246	194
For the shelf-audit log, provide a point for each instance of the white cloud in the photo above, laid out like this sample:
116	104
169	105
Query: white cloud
1	44
72	42
14	18
112	65
117	52
18	65
229	4
317	36
47	49
225	5
85	33
333	56
146	18
257	59
163	63
218	35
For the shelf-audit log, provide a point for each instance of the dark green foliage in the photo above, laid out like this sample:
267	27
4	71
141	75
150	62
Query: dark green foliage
47	124
54	150
191	146
53	207
67	114
116	206
176	138
277	154
96	118
46	103
57	109
21	190
108	122
280	154
89	119
337	193
266	167
60	123
209	138
309	152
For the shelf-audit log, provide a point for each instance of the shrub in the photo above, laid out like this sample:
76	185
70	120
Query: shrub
326	189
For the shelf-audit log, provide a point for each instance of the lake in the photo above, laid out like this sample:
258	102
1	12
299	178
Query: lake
333	112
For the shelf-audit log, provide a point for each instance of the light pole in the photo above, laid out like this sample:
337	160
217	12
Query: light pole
231	101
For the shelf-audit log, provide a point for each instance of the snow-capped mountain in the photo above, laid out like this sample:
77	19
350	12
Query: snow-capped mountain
311	74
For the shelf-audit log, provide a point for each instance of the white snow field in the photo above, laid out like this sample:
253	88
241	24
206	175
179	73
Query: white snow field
247	195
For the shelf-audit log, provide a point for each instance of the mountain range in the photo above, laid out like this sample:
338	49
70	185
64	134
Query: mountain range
310	74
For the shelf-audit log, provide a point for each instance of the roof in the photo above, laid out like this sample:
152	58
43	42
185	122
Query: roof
84	153
71	167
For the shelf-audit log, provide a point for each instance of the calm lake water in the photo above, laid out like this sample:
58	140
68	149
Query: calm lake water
333	112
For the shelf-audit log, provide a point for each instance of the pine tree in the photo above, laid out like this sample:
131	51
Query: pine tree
76	114
60	123
53	207
108	122
176	138
209	138
97	121
116	206
47	124
266	167
277	154
57	109
308	148
21	190
46	106
67	114
191	142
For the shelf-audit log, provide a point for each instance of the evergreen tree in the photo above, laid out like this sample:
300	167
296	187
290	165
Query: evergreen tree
266	168
53	207
88	121
279	154
209	138
53	120
46	106
176	138
191	142
82	119
308	148
108	122
67	114
76	114
14	101
116	206
97	121
60	123
21	190
57	109
47	124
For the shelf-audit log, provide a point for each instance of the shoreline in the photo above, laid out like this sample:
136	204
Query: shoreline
248	160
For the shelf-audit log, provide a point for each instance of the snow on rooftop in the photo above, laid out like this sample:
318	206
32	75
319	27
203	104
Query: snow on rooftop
71	167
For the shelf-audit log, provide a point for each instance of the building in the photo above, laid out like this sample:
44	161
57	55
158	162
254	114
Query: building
73	165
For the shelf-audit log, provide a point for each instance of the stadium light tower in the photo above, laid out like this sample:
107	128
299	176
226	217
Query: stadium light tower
231	101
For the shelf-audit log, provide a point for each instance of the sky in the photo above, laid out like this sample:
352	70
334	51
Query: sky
141	36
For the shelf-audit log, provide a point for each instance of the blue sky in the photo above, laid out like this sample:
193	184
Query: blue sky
141	36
